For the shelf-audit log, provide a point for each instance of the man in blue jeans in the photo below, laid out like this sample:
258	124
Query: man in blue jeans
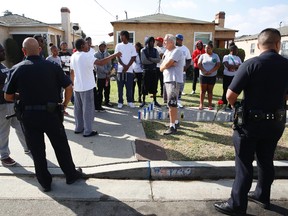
125	74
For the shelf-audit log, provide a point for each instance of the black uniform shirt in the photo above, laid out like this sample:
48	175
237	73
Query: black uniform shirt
38	81
264	80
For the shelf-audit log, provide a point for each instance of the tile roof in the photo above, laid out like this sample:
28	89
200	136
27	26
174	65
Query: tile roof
161	18
15	19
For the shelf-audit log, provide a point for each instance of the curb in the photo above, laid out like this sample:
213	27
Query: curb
157	170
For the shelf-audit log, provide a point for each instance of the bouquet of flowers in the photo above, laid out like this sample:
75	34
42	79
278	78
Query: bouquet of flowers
219	106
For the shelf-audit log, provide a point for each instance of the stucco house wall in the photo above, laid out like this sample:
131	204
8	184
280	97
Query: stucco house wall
160	29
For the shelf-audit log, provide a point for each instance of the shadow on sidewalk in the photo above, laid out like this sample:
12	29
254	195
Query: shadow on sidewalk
80	197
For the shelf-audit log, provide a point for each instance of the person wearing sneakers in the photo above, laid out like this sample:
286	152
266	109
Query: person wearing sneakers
149	58
172	68
138	71
103	78
82	64
7	108
37	84
187	60
195	56
208	64
125	74
264	119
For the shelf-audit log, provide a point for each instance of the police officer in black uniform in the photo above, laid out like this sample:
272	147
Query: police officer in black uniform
39	85
261	122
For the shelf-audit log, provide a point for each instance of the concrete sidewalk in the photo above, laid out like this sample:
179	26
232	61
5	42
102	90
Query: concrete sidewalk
112	153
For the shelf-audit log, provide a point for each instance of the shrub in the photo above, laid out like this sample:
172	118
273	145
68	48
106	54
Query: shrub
221	52
13	52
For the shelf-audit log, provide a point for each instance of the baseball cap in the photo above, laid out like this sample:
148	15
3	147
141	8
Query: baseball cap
102	43
159	39
63	42
180	36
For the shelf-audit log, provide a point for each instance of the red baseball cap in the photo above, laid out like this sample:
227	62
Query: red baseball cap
159	39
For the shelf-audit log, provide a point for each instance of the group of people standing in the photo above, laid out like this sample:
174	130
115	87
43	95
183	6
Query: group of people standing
37	84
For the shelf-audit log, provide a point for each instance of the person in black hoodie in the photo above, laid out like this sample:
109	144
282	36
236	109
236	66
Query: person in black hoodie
149	57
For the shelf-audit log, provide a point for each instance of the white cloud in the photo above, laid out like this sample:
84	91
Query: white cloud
256	19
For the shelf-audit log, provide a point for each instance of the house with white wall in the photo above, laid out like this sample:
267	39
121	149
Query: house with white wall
18	27
249	43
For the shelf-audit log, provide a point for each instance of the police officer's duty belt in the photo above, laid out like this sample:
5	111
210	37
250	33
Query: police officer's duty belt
256	115
50	107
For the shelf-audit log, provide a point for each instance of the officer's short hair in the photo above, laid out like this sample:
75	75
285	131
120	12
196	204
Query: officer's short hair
79	43
269	36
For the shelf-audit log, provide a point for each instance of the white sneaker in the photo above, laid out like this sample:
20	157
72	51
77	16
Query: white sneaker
193	92
120	105
179	104
131	105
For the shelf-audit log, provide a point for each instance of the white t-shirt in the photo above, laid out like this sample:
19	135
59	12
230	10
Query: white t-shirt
128	51
161	50
174	73
83	63
186	53
137	66
91	51
231	60
56	59
209	62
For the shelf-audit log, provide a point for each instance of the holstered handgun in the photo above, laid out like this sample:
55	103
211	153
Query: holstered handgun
18	108
239	117
61	111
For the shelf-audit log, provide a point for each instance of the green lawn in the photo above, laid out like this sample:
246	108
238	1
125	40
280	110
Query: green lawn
187	99
198	140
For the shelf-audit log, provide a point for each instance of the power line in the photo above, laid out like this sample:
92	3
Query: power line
105	9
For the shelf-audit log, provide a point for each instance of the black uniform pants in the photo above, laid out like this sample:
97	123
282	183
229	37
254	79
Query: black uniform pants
36	123
101	86
259	138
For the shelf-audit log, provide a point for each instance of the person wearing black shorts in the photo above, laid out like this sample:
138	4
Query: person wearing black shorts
149	58
208	64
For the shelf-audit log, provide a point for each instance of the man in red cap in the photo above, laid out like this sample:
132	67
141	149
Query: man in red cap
161	49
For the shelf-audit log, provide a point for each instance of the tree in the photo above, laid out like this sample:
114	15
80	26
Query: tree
7	12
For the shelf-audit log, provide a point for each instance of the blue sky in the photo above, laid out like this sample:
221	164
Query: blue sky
247	16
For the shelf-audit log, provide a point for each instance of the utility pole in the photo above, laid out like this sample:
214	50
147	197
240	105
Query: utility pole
126	14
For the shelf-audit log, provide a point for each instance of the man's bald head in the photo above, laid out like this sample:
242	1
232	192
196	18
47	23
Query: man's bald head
269	38
30	46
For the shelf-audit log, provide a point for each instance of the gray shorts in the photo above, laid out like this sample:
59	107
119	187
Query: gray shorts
172	91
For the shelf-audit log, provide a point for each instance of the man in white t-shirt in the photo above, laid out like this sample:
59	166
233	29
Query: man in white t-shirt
172	68
125	74
82	64
187	63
